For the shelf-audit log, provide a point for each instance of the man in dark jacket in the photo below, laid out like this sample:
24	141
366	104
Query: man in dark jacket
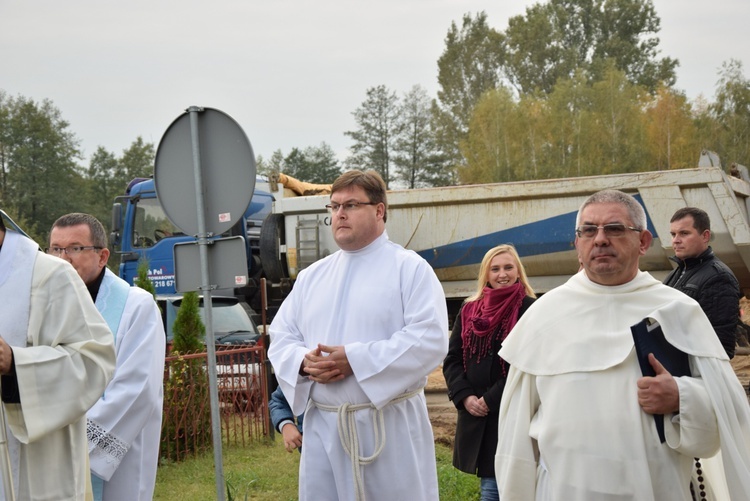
702	276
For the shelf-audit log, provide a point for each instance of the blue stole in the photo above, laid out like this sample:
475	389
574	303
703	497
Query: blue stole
110	301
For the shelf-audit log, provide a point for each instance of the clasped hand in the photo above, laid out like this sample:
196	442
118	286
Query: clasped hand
476	406
326	364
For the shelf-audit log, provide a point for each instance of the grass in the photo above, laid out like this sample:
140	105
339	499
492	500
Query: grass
454	485
265	471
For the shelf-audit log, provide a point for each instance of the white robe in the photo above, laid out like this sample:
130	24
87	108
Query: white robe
570	425
386	306
63	363
124	426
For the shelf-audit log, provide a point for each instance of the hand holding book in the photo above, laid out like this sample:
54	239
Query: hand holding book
660	362
658	394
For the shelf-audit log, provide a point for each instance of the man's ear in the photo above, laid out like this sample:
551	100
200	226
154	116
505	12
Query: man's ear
646	239
103	257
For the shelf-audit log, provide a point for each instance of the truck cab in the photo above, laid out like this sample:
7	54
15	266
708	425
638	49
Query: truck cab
141	230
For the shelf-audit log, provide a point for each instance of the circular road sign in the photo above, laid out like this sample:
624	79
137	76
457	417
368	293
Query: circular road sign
227	170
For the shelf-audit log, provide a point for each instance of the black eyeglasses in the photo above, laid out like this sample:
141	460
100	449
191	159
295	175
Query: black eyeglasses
348	206
613	230
71	251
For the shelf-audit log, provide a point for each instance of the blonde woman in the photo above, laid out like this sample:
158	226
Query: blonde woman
474	372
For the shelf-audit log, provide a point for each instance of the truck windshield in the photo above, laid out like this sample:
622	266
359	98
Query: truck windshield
151	224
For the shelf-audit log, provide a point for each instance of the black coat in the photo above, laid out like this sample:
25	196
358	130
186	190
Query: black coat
476	438
710	282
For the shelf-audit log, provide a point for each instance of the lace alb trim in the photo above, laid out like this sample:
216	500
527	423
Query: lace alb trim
108	445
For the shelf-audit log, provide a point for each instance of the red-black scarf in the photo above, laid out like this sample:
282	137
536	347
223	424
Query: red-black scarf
495	312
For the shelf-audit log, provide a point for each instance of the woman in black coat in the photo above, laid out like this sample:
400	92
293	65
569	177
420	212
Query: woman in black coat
474	372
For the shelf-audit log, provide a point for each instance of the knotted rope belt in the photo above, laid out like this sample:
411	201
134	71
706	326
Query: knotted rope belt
347	426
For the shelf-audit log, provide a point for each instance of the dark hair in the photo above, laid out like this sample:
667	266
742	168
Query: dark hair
98	233
2	224
369	180
701	222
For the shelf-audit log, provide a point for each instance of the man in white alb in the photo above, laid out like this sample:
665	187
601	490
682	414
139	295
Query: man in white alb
124	426
56	358
576	418
353	343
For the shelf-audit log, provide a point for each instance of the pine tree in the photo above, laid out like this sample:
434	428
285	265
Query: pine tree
188	327
142	280
187	428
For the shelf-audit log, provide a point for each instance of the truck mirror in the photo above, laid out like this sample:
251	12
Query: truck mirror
114	237
116	217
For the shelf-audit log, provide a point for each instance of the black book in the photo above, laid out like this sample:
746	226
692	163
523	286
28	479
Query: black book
649	338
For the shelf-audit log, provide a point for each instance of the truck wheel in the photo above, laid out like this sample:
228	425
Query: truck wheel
271	237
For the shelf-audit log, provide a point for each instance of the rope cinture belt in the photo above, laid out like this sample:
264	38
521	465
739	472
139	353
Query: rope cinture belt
347	427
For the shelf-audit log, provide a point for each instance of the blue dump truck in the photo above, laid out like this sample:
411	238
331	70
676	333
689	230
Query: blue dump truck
141	230
452	227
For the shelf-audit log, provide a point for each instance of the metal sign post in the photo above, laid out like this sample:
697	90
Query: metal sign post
213	388
223	180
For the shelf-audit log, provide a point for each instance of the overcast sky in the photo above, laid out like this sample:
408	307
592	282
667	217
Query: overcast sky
290	72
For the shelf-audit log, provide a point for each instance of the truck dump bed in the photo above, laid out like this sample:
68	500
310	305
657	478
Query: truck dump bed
453	227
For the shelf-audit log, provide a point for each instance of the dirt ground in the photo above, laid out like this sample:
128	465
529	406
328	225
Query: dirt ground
443	413
741	366
441	410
